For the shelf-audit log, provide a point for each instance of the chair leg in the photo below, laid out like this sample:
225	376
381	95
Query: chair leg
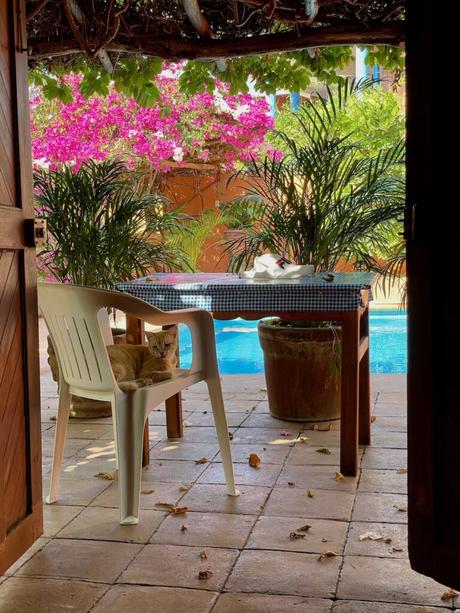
220	419
59	440
130	419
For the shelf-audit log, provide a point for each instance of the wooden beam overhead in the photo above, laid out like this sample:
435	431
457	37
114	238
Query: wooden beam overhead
178	48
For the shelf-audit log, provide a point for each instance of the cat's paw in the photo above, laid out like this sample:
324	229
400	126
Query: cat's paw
128	386
161	375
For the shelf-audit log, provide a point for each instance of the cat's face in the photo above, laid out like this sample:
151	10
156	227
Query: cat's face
163	344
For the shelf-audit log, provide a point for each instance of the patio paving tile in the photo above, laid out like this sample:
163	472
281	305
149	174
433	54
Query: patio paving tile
151	492
177	450
55	517
389	481
389	424
390	409
175	566
316	477
273	533
373	507
353	606
265	420
305	454
268	454
234	405
199	418
182	471
143	599
205	530
385	438
72	446
294	502
99	561
88	430
208	498
198	434
280	572
392	581
265	474
380	549
268	436
100	448
21	595
321	438
261	603
384	458
99	523
77	491
28	555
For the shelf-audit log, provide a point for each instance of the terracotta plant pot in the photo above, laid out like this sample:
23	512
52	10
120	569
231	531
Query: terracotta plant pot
85	408
302	370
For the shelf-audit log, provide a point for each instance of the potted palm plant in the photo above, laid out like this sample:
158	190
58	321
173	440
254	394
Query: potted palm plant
101	230
322	203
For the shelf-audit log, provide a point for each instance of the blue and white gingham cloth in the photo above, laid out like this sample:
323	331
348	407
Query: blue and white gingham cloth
226	292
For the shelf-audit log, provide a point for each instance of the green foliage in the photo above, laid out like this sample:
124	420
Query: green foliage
135	75
323	201
375	119
100	231
195	236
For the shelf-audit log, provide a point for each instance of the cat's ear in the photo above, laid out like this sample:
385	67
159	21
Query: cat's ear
149	335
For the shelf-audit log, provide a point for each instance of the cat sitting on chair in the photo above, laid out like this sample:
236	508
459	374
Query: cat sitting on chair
136	366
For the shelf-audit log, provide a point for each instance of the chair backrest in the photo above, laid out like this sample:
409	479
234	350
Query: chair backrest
78	323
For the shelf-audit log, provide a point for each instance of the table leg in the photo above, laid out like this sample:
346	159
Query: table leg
364	387
349	394
174	419
135	335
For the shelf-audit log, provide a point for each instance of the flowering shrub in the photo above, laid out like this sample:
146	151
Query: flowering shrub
207	128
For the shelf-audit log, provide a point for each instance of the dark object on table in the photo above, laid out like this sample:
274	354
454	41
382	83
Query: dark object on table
328	277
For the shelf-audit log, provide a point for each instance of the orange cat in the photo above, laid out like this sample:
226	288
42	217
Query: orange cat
136	366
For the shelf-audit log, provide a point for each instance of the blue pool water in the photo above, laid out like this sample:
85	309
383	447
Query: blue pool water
239	352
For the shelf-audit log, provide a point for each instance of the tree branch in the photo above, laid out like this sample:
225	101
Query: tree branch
174	48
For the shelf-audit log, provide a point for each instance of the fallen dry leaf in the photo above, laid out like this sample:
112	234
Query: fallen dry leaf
254	460
184	488
201	461
204	574
291	483
204	554
400	509
371	536
324	541
305	528
187	423
230	436
169	506
449	594
324	450
147	492
338	476
326	554
105	475
388	540
325	429
314	427
401	471
183	528
310	494
294	536
396	548
373	418
303	439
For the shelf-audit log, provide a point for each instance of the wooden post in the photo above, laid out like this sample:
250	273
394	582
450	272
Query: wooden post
135	334
174	420
364	384
349	394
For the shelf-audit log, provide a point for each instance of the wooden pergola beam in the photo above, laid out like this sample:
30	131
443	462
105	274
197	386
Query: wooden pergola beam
175	48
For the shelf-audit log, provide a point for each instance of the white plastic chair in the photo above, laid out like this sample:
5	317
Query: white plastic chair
79	327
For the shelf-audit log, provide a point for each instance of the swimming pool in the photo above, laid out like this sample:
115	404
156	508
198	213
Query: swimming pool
239	352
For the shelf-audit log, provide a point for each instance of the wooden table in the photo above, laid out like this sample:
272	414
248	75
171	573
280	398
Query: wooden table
344	300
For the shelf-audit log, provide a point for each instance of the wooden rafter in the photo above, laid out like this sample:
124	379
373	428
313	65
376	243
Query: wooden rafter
177	48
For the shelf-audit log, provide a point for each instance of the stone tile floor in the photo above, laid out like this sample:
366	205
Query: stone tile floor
85	561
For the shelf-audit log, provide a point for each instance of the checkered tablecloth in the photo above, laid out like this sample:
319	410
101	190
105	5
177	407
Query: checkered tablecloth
226	292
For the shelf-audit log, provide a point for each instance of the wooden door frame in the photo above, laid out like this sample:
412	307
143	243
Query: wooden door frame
12	236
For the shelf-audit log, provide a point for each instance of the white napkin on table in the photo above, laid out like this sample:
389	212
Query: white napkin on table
273	266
